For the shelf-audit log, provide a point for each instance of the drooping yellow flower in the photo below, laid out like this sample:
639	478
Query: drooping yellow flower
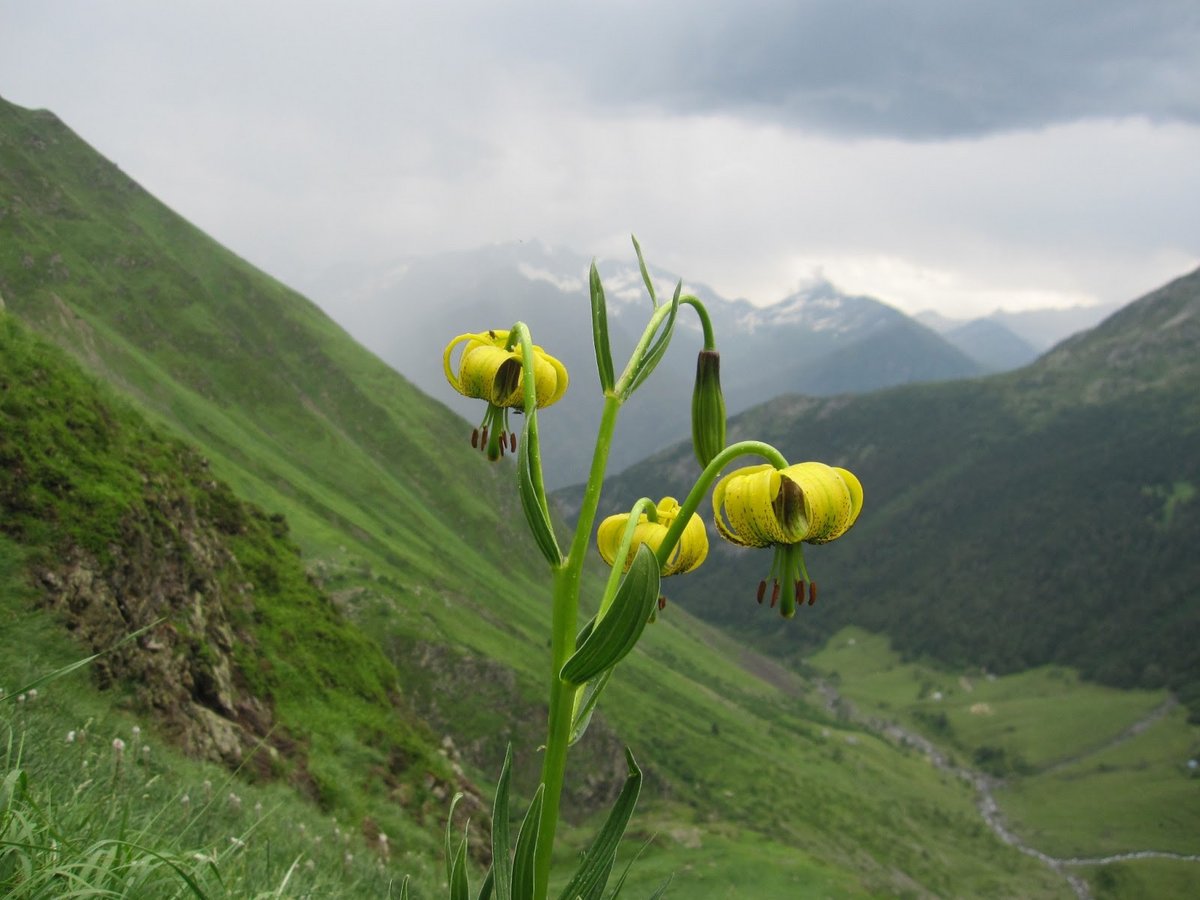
488	371
691	550
761	506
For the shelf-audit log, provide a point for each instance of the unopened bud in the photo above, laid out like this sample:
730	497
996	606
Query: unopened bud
708	408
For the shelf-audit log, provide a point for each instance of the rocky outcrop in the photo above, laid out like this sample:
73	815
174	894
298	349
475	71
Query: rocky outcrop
174	576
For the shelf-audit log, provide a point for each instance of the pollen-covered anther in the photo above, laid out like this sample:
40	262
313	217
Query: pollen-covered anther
475	438
775	595
512	441
762	590
812	593
662	602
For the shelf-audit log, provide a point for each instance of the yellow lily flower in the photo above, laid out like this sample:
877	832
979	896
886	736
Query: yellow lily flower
488	371
761	506
688	554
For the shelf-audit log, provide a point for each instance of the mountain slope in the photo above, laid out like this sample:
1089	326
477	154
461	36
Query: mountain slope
127	529
814	341
422	543
1048	514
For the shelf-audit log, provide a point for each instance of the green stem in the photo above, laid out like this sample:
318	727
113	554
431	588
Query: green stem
562	644
710	342
704	482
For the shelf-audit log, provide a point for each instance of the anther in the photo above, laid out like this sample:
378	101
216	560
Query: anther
762	589
512	441
812	593
475	438
483	437
775	595
799	591
662	602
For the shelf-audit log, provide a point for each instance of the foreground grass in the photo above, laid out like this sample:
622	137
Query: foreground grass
1088	771
81	815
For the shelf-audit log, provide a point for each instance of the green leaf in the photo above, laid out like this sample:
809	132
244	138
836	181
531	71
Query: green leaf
526	849
587	706
662	888
533	492
485	889
614	636
501	864
654	355
616	891
604	363
645	274
592	875
460	889
449	825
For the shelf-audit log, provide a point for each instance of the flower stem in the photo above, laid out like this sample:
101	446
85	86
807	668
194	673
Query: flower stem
562	643
704	482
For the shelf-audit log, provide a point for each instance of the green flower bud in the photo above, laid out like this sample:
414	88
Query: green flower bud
708	408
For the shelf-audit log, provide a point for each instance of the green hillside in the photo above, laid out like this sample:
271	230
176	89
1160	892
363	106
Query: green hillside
1048	515
422	544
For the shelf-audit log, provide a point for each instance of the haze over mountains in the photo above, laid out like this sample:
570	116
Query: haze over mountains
818	341
1048	514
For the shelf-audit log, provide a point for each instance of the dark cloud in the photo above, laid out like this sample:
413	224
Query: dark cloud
916	70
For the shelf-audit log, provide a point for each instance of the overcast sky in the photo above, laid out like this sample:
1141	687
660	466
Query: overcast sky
952	155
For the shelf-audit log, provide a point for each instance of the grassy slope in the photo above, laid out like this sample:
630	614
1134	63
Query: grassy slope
421	540
1081	781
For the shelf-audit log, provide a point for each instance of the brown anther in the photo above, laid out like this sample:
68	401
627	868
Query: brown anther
762	589
483	436
812	593
662	602
775	595
512	441
799	591
475	437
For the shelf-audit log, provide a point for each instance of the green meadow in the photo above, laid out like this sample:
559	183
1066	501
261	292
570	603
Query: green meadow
1081	771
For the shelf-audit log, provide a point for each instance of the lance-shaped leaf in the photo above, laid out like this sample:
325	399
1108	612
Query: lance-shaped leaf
604	363
501	873
592	875
615	635
526	849
587	705
533	492
654	354
637	248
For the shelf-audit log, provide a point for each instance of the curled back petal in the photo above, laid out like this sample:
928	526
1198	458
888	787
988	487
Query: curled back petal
827	500
552	386
856	494
691	550
732	508
608	537
451	376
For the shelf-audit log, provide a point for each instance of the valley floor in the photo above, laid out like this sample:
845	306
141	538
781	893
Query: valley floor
1100	785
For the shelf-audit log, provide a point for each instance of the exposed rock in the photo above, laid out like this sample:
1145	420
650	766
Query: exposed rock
170	574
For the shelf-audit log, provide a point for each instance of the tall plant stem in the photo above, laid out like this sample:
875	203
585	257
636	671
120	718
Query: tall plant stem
565	623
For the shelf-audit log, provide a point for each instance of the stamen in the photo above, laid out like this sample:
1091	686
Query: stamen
775	595
512	441
484	436
799	591
812	593
662	602
475	437
762	589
